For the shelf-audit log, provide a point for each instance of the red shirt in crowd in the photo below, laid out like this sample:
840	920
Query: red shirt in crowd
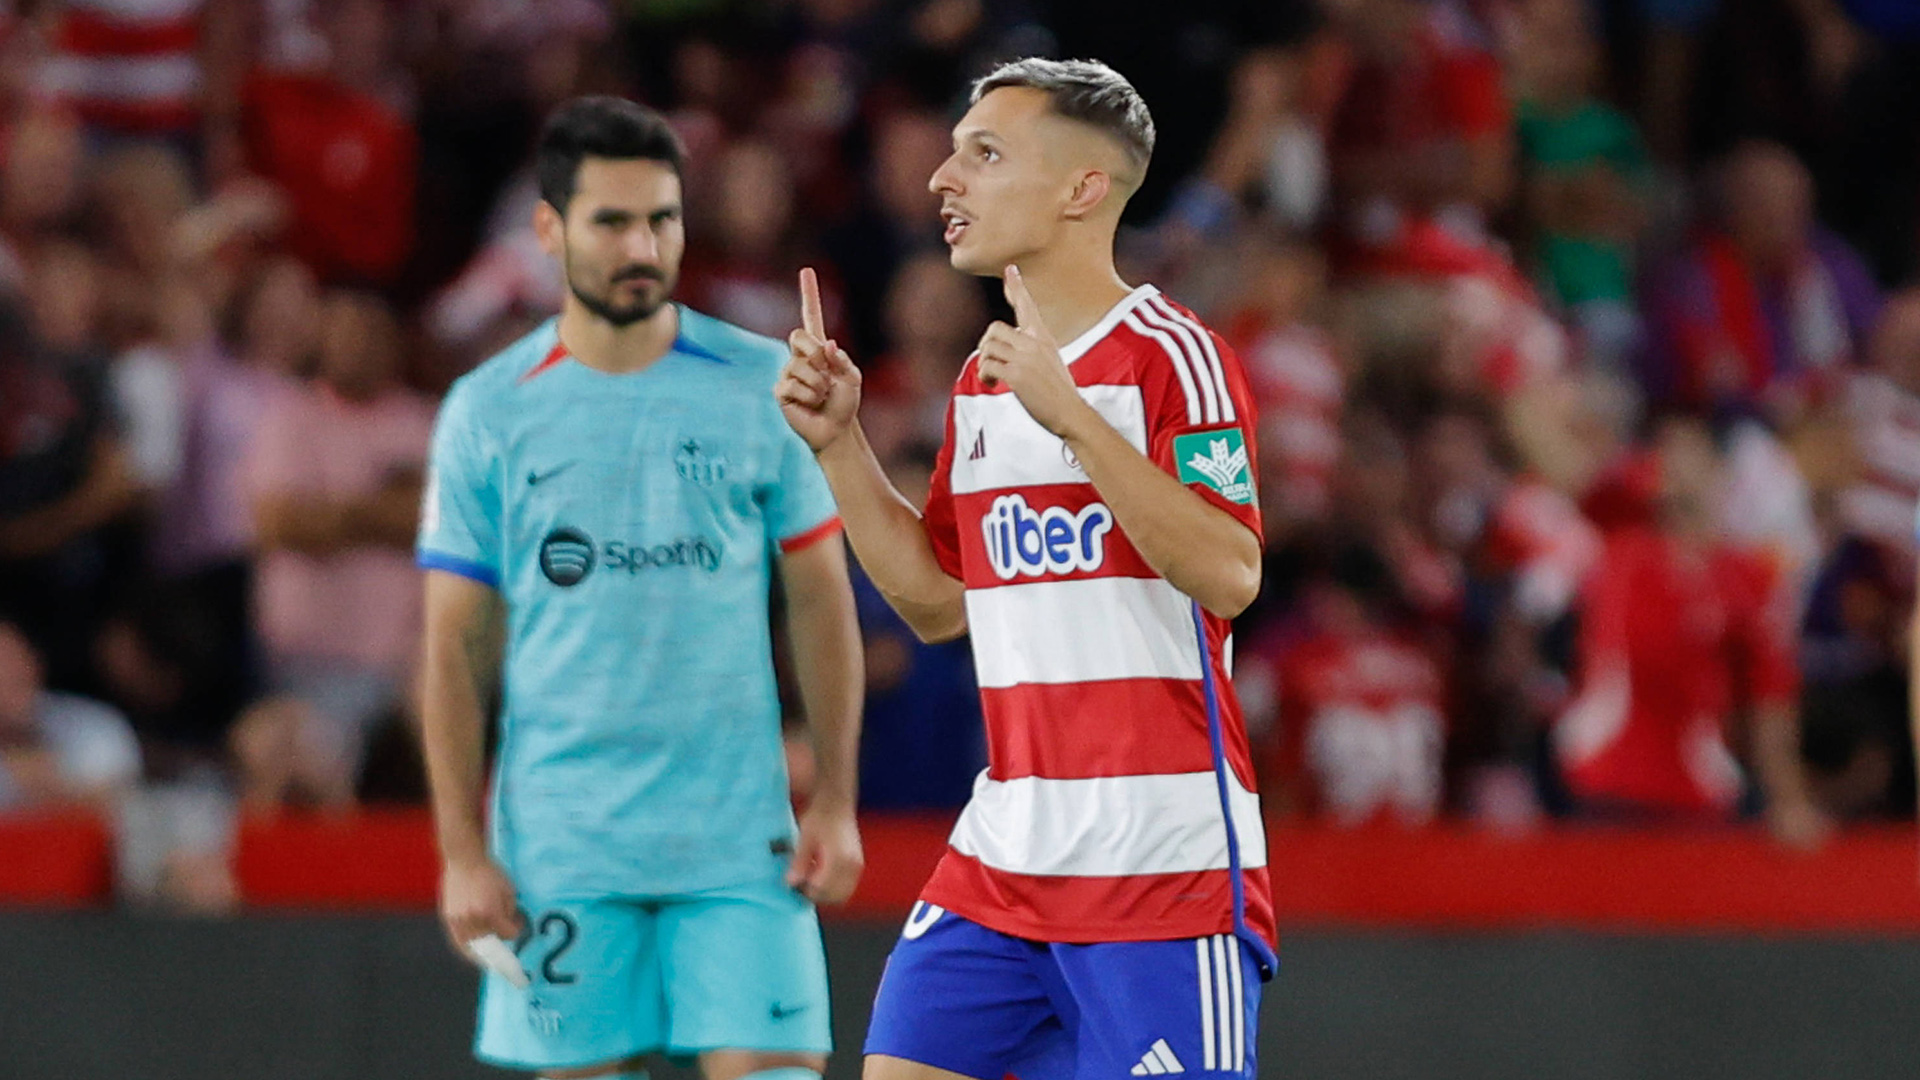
1362	728
347	162
1672	643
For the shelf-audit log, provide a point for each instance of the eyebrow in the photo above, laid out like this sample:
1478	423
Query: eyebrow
974	134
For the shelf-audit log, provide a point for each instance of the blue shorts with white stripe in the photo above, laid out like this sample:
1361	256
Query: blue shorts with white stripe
961	997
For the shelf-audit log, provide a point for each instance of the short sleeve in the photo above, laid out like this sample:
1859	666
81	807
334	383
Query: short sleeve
1200	413
798	504
460	512
938	517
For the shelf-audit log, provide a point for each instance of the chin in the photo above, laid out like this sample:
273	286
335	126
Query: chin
973	262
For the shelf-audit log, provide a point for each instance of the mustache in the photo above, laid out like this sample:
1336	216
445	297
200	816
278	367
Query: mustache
632	273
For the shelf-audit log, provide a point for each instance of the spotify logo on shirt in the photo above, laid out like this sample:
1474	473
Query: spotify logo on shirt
566	557
1021	540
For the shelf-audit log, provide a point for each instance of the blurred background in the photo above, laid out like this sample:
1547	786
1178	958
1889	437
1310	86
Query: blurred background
1586	341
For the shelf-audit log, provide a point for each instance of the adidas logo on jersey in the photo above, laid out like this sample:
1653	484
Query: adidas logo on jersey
1158	1061
1054	541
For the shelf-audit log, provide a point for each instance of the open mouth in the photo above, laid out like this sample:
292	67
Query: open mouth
956	223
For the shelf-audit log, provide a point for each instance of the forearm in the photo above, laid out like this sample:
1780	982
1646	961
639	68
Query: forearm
107	492
1776	752
388	519
459	674
1196	546
890	541
825	638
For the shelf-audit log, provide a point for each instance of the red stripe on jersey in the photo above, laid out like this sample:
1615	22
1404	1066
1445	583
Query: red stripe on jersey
1024	736
91	34
1085	910
553	358
1155	726
802	541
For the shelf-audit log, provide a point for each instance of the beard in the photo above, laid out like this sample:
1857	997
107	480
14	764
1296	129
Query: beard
617	314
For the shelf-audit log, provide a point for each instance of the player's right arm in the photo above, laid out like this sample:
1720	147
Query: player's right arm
819	394
460	549
463	636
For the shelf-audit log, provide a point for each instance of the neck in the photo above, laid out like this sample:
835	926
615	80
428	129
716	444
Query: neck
617	350
1073	289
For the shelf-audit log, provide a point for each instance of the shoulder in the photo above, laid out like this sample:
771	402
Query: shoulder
753	354
502	373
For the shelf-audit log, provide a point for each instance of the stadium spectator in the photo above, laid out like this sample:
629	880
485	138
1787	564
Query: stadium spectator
1360	727
1585	177
1423	128
335	476
341	148
1680	634
40	187
57	748
64	479
1766	310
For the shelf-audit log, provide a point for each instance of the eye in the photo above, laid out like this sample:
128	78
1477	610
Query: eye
988	153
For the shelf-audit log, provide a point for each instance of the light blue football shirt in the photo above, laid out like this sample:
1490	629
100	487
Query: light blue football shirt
630	522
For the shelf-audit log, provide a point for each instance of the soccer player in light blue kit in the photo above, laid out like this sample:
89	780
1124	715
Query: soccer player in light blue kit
617	488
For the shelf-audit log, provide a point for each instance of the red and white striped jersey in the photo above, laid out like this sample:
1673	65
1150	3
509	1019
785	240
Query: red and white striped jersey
128	65
1115	743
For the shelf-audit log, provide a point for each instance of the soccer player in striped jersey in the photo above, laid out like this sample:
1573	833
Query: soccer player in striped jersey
1103	909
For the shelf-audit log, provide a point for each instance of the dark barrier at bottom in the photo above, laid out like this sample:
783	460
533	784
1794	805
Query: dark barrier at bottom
382	998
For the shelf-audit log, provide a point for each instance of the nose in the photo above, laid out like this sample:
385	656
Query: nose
943	182
643	245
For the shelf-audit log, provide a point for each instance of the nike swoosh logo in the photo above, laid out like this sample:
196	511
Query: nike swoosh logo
780	1013
536	478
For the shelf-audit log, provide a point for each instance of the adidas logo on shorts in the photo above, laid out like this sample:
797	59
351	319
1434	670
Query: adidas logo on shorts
1158	1061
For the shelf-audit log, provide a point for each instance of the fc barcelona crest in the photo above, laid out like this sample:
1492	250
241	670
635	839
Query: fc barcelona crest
698	465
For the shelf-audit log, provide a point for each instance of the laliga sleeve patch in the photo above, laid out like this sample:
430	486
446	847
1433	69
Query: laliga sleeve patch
1217	459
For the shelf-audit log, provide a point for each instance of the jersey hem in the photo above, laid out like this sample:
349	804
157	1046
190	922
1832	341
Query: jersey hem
1083	934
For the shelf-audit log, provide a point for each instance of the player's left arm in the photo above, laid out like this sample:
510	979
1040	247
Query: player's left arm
1201	549
827	661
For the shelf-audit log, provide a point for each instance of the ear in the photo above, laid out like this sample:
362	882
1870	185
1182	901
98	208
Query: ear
550	227
1089	194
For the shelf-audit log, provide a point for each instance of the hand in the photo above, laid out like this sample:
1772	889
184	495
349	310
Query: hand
819	390
1027	359
476	899
1798	824
827	861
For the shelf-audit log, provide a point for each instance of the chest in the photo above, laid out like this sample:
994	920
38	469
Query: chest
649	466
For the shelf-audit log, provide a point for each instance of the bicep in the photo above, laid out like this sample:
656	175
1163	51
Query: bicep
462	615
816	574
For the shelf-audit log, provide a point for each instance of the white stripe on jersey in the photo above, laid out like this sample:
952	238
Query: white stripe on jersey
1179	358
1095	334
1082	630
1018	452
1213	365
1216	946
1203	959
1237	1060
1183	336
1107	826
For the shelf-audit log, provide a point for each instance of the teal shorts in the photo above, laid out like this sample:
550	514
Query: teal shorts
740	968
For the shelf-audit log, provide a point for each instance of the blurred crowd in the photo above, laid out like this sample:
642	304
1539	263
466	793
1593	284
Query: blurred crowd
1581	331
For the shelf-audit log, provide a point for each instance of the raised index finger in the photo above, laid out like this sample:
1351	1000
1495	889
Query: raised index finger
1026	313
811	318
